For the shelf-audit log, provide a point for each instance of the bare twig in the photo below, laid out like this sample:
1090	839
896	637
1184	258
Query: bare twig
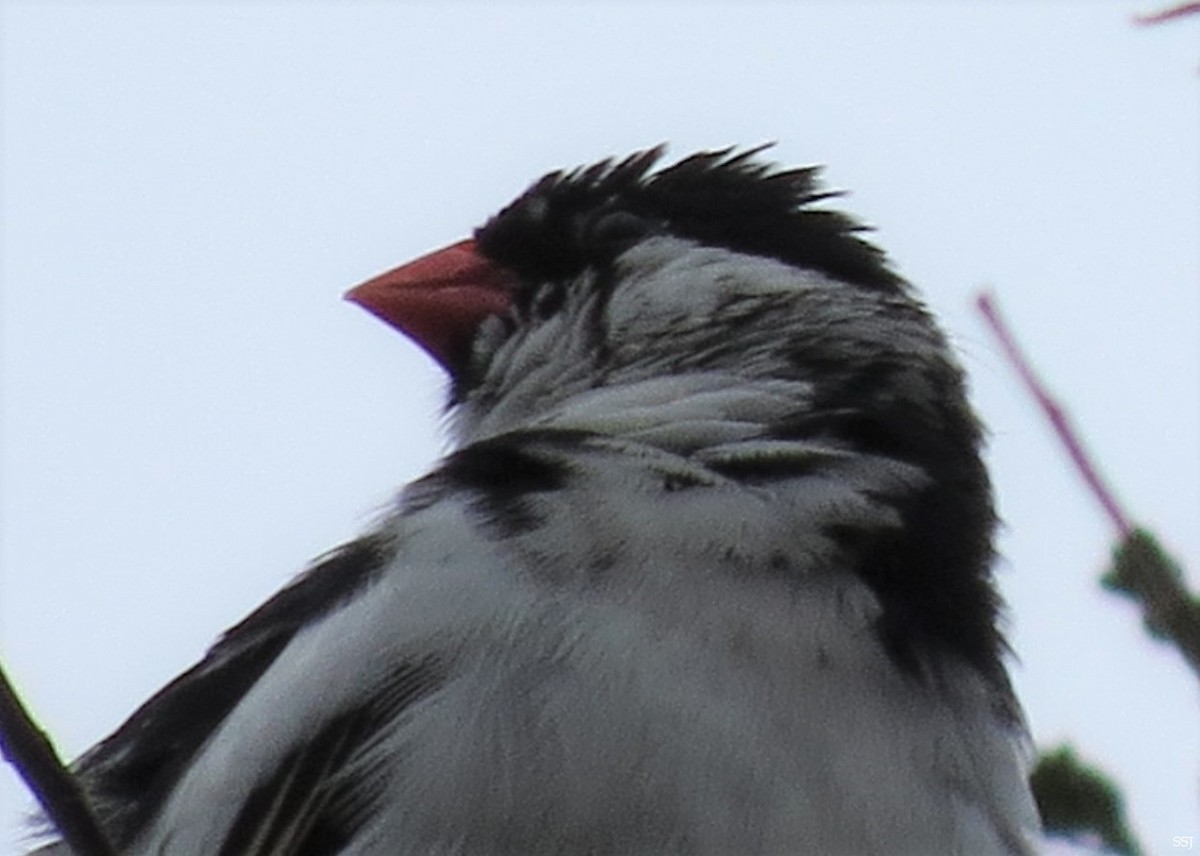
1141	568
1168	14
29	750
1054	412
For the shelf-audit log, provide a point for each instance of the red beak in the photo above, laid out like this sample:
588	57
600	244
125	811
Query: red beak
440	299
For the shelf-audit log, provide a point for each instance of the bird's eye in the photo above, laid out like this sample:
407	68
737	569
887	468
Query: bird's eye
617	227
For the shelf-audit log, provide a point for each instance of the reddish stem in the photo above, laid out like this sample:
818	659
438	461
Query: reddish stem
1167	14
1057	416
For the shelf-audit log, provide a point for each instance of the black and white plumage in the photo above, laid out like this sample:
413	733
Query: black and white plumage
708	571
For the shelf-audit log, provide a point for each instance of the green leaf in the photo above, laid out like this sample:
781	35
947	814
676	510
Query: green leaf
1080	803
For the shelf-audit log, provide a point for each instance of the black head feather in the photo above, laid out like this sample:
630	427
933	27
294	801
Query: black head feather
568	221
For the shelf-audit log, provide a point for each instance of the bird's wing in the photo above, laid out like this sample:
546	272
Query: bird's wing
130	774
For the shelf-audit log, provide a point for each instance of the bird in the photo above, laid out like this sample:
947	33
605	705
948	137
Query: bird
707	569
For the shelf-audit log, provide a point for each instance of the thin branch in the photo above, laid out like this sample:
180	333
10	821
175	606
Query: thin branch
1057	416
1168	14
1141	568
29	750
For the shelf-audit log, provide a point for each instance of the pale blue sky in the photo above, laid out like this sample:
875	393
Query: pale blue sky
190	412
